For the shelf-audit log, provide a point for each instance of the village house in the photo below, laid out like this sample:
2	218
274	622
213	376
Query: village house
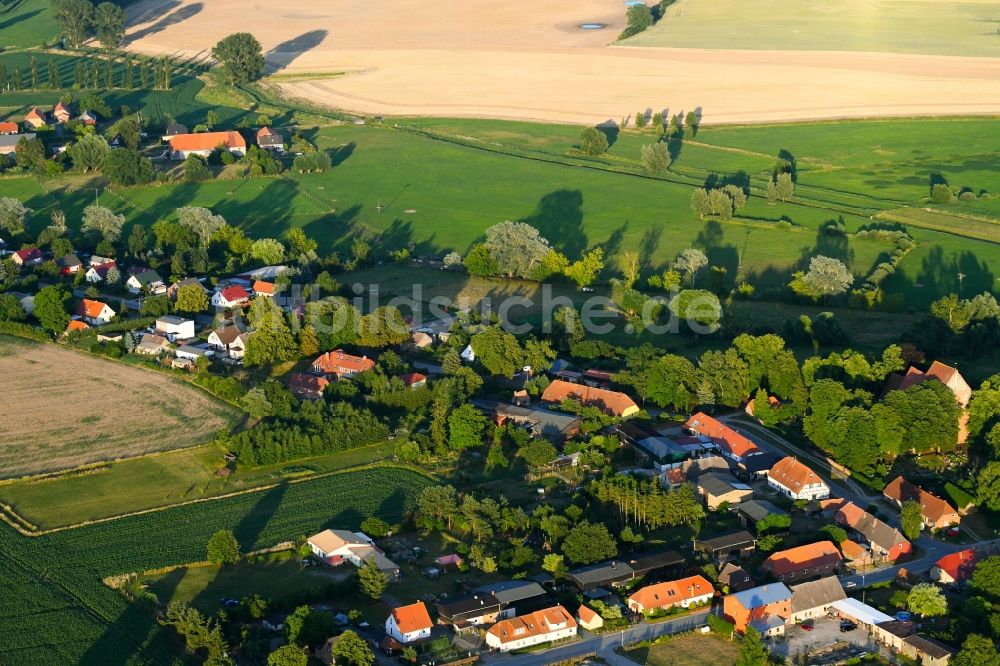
472	611
409	624
99	272
683	593
887	543
588	618
815	598
341	365
613	402
152	345
954	567
268	139
543	626
945	374
793	479
813	559
147	279
554	426
232	296
937	513
722	489
61	113
76	325
731	444
69	264
186	282
263	288
182	145
8	142
753	511
174	129
28	257
36	118
307	386
856	555
175	328
95	313
8	127
88	118
229	339
413	380
734	578
724	547
926	651
765	608
421	340
334	547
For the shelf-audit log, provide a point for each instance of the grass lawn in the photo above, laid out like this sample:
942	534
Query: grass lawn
687	650
897	26
159	480
271	576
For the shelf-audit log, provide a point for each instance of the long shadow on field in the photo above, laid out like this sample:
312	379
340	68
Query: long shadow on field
286	52
960	273
711	241
182	14
18	19
335	231
559	217
133	637
647	247
393	507
253	523
339	155
152	12
831	241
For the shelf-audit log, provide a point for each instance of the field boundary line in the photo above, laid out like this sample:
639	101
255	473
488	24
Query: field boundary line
14	519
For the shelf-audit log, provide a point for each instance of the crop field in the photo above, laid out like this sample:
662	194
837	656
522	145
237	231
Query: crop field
74	409
159	480
966	27
55	609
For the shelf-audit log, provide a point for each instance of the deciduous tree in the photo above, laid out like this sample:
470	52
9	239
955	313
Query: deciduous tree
241	56
109	24
223	548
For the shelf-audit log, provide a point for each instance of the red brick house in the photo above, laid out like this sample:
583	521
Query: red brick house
937	513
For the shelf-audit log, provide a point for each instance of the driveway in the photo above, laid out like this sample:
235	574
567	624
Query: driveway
604	644
798	643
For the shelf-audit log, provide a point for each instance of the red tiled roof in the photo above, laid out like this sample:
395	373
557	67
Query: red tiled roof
8	128
265	131
35	114
102	269
738	444
411	378
808	556
934	508
89	308
613	402
586	614
77	325
852	550
958	565
234	293
262	287
532	624
337	362
28	255
207	141
792	474
672	592
307	383
412	618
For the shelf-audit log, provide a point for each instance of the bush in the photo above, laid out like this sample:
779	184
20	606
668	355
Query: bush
719	625
593	141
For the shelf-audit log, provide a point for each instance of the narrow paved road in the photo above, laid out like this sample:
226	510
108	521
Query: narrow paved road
604	644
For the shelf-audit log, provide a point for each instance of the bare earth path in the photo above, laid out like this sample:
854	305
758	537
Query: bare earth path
530	60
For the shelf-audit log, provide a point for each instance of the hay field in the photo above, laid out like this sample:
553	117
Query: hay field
63	409
529	60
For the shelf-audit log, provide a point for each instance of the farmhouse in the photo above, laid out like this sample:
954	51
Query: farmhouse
61	113
719	489
955	567
341	365
69	264
152	345
793	479
99	273
734	578
887	543
937	513
732	444
147	279
723	547
9	128
230	297
945	374
612	402
262	288
28	257
588	618
766	608
36	118
8	142
555	426
182	145
544	626
408	624
801	562
683	593
815	598
268	139
94	313
335	547
307	386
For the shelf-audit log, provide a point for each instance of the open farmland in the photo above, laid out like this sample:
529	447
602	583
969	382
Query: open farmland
531	60
67	409
942	27
55	609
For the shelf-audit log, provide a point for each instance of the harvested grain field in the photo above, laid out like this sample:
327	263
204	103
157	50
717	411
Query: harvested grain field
63	409
530	60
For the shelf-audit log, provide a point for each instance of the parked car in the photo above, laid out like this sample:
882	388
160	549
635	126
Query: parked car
847	625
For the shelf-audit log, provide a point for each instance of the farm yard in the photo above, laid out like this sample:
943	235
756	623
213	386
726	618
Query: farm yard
57	610
72	409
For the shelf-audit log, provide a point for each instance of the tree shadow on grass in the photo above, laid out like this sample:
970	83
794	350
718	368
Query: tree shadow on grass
559	218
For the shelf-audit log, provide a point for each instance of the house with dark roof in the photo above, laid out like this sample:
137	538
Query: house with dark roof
766	608
937	513
753	511
927	651
471	611
815	598
540	422
512	592
269	139
601	574
8	142
174	129
723	547
145	279
734	578
719	489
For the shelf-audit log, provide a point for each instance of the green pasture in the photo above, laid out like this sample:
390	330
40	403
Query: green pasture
963	28
28	23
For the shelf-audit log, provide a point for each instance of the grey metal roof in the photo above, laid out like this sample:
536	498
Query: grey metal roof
814	594
760	509
509	591
762	596
929	646
600	573
730	540
716	484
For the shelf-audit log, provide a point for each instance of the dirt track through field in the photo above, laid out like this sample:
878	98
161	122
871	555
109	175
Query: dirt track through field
530	60
62	409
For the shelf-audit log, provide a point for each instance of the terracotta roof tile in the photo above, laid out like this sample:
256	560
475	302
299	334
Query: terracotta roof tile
532	624
208	141
810	555
792	474
672	592
613	402
412	618
738	444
